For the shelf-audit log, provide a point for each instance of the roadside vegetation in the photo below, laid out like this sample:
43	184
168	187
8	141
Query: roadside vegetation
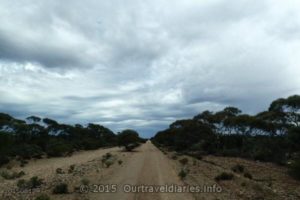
36	138
269	136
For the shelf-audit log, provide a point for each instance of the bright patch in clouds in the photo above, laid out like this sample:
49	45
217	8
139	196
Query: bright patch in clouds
143	64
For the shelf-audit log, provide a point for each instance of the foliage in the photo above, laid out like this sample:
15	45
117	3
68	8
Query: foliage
61	188
3	160
13	175
295	169
248	175
238	168
33	182
184	161
129	139
224	176
182	174
42	197
269	136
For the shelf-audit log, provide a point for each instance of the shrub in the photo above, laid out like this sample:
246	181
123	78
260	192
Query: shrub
294	170
71	169
14	175
107	156
23	163
248	175
182	174
108	163
184	161
35	182
22	184
3	160
174	157
194	162
238	168
85	181
57	149
42	197
59	171
129	139
27	151
120	162
61	188
224	176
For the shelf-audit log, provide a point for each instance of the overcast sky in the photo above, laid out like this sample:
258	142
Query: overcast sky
142	64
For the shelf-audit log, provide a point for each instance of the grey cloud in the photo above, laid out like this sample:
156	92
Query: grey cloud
144	64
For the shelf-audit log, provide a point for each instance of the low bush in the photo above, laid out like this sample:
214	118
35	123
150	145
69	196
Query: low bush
224	176
23	163
71	169
42	197
238	168
109	162
61	188
58	149
248	175
182	174
27	151
59	171
294	169
3	160
32	183
120	162
184	161
14	175
174	157
85	181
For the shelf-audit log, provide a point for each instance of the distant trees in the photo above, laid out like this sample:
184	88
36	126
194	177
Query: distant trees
129	139
35	140
272	135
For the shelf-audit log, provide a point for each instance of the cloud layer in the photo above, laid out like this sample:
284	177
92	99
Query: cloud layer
143	64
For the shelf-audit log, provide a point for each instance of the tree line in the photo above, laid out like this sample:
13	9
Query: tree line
37	138
272	135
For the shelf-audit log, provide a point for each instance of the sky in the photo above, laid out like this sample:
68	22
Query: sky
142	64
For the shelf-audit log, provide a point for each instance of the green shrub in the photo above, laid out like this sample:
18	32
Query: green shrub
85	181
120	162
71	169
294	169
238	168
182	174
108	163
224	176
35	182
3	160
248	175
174	157
42	197
27	151
107	156
23	163
14	175
58	149
184	161
32	183
22	184
59	171
61	188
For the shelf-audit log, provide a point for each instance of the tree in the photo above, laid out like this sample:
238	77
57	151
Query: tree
34	119
129	139
290	107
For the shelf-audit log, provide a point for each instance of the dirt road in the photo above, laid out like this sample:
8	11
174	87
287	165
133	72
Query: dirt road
136	175
147	167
